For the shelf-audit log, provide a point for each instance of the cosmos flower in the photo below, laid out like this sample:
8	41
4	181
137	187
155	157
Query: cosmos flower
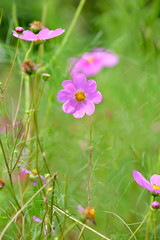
32	175
88	213
35	219
92	62
44	34
153	185
79	96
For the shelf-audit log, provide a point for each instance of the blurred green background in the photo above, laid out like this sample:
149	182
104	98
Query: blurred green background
126	125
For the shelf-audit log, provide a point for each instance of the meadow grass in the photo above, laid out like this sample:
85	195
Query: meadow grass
125	126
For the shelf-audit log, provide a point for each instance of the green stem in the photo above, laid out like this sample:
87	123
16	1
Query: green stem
140	225
11	67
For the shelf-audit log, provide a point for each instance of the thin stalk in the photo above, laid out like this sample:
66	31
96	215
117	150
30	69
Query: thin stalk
65	207
154	224
140	225
69	229
82	224
9	174
11	67
21	197
21	85
27	123
81	232
89	166
66	37
24	206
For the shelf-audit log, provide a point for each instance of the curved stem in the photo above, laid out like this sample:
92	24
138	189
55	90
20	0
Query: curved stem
89	166
140	225
11	67
81	232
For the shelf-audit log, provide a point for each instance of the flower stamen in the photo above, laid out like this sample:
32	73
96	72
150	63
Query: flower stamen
156	187
79	96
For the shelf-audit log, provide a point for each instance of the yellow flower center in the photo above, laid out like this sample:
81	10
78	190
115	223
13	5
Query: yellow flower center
79	96
34	171
89	213
156	187
90	59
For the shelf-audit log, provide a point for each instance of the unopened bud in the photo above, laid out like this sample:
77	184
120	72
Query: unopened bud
50	189
19	30
47	176
155	205
46	76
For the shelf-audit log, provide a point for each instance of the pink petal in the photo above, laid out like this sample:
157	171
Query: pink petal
155	180
54	33
44	180
24	170
36	219
70	106
43	33
89	107
95	97
28	36
142	181
79	80
80	111
90	86
15	34
80	208
109	59
71	88
35	182
64	95
66	82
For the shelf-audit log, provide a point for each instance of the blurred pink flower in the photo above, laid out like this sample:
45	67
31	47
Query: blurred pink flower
153	185
79	96
35	219
88	213
32	175
92	62
44	34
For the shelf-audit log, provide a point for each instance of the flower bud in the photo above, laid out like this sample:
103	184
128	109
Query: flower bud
29	67
47	175
36	26
19	30
46	76
2	184
155	205
50	189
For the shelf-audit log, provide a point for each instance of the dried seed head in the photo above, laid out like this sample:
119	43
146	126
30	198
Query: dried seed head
2	184
29	67
36	26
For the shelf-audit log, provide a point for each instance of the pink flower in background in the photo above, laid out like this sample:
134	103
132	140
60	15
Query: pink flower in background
92	62
79	96
44	34
35	219
153	185
32	175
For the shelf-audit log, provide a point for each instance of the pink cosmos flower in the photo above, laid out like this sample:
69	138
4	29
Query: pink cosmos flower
33	175
44	34
35	219
153	186
79	96
92	62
